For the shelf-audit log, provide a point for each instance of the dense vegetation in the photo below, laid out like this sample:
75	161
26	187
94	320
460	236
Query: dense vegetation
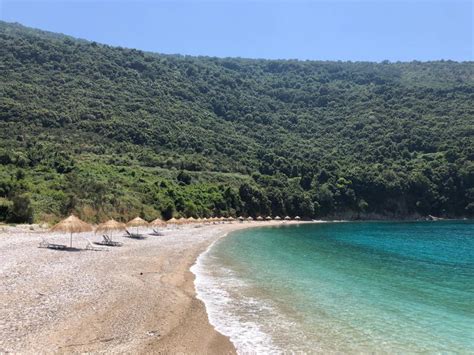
106	131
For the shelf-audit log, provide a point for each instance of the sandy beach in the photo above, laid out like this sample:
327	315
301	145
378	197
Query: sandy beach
136	298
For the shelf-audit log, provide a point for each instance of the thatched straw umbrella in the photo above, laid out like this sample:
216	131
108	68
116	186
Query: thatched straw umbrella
191	220
297	218
268	218
137	222
277	218
110	226
158	223
231	219
241	218
182	220
259	218
250	218
287	218
71	225
172	221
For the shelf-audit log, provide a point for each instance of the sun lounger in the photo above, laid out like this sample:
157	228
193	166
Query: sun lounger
45	244
156	233
108	242
91	246
111	242
134	235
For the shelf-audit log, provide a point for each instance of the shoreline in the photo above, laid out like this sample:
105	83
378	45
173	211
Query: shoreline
140	297
222	340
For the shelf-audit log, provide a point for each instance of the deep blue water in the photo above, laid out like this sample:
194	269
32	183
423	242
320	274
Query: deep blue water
345	287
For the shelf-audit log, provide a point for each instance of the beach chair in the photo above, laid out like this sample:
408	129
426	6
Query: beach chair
133	235
108	242
156	233
91	246
46	244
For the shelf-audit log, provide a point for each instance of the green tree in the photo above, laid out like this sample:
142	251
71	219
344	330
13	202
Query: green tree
184	177
21	210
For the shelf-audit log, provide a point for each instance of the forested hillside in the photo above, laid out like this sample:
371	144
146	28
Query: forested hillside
106	131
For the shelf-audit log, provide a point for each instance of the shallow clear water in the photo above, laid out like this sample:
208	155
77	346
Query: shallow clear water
343	287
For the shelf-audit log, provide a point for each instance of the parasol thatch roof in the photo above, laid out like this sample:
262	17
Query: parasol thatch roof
110	225
137	222
297	217
277	218
287	218
259	218
157	222
172	220
72	224
191	220
268	218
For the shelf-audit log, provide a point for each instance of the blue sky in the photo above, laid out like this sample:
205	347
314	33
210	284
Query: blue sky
323	30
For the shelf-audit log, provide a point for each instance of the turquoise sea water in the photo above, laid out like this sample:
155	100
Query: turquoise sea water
343	287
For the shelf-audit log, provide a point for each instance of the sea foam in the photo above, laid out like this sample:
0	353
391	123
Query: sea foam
225	312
